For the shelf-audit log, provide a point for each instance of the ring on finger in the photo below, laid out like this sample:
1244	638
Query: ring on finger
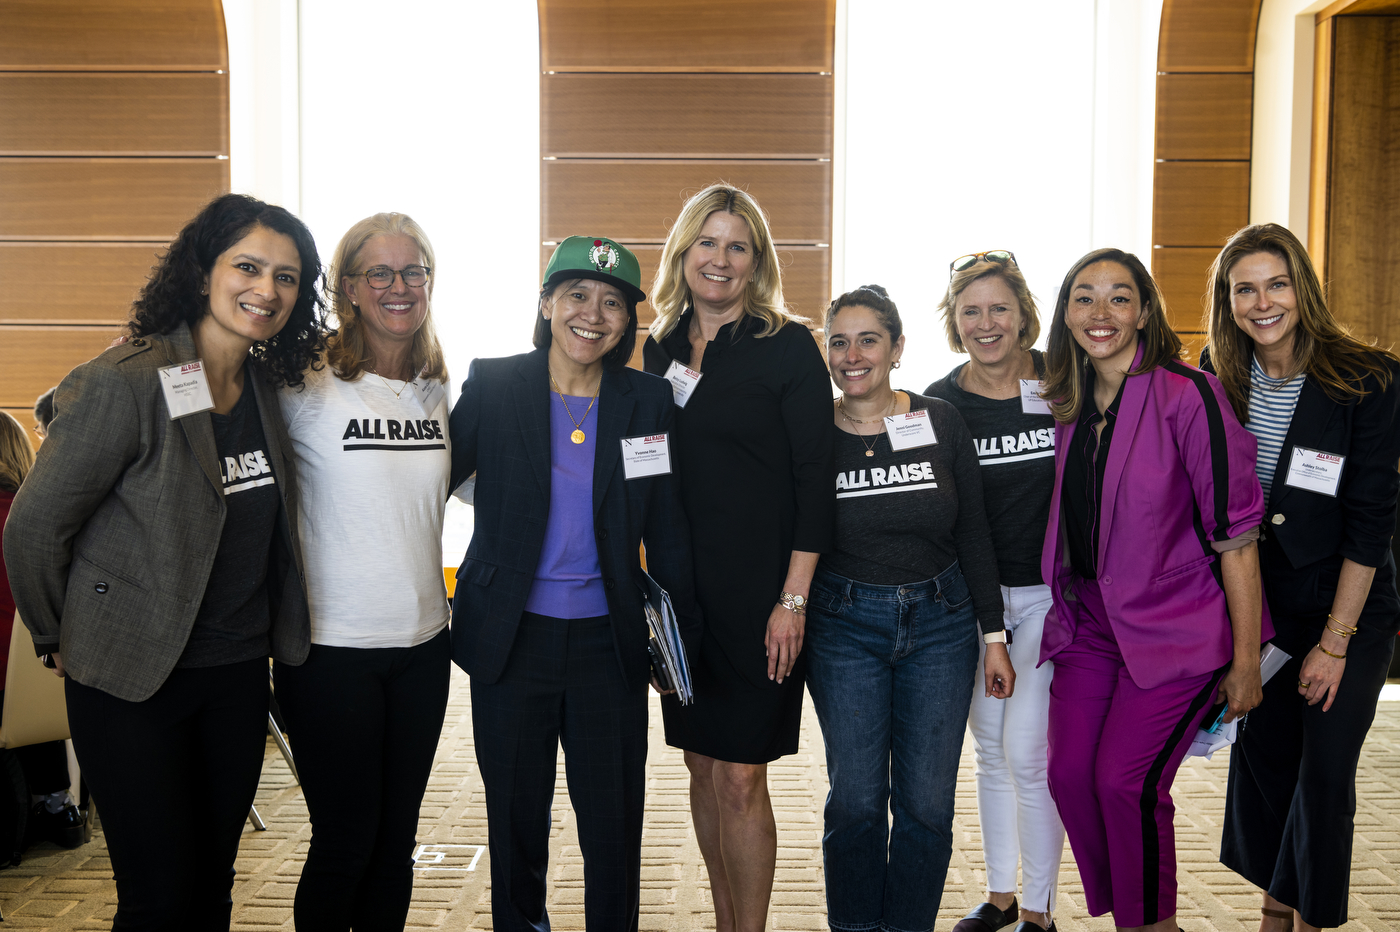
1304	685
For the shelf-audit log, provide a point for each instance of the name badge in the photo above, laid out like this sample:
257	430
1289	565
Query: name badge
186	389
907	431
683	381
646	456
1031	402
1315	471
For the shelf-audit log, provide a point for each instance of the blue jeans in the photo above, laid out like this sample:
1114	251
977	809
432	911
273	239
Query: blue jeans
891	671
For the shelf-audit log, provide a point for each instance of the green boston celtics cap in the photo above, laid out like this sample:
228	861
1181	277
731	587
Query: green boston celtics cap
598	258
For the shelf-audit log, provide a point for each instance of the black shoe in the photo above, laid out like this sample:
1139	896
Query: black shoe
987	918
1028	926
64	828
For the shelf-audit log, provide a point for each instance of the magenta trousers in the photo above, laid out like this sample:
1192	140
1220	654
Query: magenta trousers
1114	751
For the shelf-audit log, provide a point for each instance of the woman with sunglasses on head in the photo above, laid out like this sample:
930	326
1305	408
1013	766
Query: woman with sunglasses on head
154	554
365	710
548	617
1151	560
895	614
1326	409
753	402
989	313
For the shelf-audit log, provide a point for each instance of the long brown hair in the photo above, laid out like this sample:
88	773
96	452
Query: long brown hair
1065	359
1323	349
16	455
763	298
347	351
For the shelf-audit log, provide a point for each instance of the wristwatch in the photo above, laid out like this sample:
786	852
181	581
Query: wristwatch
793	602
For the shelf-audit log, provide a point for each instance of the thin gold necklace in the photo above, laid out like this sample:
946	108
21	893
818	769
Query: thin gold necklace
578	435
875	437
381	378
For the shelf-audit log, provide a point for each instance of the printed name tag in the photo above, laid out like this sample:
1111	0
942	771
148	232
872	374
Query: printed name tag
683	381
907	431
1031	402
1315	471
186	389
646	456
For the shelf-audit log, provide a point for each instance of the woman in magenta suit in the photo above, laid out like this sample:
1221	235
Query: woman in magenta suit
1151	559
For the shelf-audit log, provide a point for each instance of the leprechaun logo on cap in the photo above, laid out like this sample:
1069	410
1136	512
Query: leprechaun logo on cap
603	256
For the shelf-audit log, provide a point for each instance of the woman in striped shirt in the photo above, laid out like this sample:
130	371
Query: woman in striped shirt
1325	408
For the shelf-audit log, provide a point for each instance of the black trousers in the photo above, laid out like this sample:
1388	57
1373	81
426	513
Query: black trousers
174	778
364	725
1291	800
562	684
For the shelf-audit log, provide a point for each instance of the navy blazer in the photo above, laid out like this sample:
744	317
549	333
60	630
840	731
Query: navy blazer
500	431
1314	532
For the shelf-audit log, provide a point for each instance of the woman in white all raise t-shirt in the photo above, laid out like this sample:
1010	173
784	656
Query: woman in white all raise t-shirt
365	710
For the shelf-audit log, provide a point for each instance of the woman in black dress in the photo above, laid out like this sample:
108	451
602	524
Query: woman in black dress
754	456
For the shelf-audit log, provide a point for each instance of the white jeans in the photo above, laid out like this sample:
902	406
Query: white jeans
1009	738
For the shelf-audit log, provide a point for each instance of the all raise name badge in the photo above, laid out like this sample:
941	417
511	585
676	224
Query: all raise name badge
911	430
186	389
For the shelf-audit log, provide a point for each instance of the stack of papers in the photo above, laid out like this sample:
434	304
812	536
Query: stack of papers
1218	734
668	660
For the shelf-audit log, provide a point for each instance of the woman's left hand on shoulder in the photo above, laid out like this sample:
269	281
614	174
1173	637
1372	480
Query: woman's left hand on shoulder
783	641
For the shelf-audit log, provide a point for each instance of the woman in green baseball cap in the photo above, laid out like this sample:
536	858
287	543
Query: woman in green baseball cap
574	457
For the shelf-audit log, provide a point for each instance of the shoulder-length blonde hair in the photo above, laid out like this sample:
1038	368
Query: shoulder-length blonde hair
1323	348
1065	359
347	350
16	455
763	298
1007	272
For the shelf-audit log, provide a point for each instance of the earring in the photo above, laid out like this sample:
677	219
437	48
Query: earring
353	304
204	291
895	365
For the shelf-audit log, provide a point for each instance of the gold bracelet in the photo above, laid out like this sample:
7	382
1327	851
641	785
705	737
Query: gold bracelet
1329	653
1340	634
1342	623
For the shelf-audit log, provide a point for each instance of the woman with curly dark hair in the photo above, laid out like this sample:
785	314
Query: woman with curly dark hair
153	553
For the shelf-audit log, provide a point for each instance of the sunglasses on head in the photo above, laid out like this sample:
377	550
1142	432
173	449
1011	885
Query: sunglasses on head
962	263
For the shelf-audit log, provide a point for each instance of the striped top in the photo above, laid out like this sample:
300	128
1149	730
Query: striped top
1271	404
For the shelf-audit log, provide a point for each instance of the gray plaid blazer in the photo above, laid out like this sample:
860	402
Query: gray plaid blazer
111	538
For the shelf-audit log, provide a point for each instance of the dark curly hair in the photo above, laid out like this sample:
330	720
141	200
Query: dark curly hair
171	296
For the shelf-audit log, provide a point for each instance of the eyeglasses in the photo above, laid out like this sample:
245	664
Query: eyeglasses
381	276
963	263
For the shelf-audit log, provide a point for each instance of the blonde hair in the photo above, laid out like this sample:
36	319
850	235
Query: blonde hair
1322	347
763	296
1065	359
984	268
16	455
347	351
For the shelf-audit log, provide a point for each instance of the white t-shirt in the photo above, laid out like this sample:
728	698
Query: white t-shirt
372	470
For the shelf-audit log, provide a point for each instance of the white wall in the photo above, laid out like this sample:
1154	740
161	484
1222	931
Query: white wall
423	107
1027	129
1283	96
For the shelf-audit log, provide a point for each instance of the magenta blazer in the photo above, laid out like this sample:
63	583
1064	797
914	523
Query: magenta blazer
1179	487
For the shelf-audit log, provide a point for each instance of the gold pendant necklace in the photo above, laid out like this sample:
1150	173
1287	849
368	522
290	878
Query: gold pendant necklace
578	436
390	387
875	437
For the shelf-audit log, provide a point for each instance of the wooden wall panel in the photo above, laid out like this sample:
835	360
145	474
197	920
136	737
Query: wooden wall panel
637	201
33	359
1204	116
1208	35
89	282
25	416
114	114
692	116
1181	274
108	199
687	35
1363	245
103	35
1199	203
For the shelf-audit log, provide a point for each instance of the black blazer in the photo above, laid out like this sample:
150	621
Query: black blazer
1315	532
500	430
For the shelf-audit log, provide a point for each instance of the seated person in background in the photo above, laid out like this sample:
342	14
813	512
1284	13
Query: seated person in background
52	817
43	412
